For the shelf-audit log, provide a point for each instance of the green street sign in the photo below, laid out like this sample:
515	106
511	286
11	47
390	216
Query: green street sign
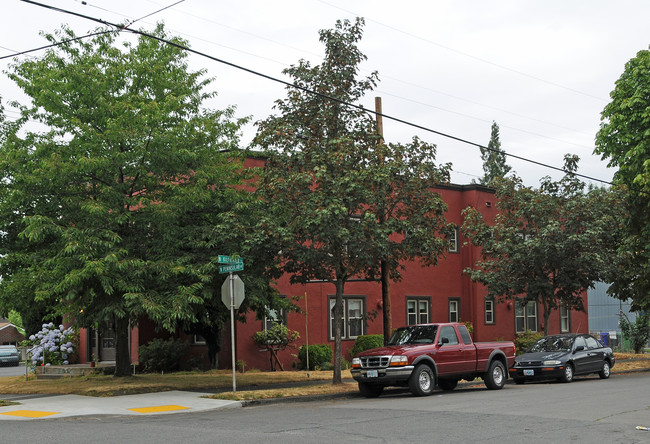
232	267
230	260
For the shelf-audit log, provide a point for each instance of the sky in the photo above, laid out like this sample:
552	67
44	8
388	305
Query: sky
541	69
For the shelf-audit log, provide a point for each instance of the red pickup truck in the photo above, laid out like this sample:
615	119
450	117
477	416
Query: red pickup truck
419	356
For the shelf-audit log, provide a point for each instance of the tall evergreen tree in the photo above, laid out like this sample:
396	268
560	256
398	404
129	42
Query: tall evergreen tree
494	158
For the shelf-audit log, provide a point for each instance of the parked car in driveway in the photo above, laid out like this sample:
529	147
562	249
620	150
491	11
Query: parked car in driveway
562	357
9	355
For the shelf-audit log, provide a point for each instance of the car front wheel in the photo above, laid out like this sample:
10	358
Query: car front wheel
605	371
422	381
567	376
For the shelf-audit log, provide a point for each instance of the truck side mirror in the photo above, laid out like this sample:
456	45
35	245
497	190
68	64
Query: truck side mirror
443	340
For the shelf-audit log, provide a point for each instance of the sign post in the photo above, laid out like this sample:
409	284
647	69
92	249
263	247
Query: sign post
229	298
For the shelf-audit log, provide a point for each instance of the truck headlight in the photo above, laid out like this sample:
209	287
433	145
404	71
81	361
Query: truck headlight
399	360
356	363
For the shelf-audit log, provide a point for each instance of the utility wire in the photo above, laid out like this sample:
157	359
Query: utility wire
62	42
155	12
384	76
448	48
316	93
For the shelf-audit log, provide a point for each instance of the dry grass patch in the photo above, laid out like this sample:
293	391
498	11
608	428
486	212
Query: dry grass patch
311	390
630	361
102	385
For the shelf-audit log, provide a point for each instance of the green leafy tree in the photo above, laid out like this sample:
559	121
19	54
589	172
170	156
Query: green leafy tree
410	220
546	245
337	195
637	332
115	206
315	180
624	139
494	158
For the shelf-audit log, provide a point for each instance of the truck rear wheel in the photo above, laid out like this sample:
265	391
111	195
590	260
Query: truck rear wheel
422	381
495	378
370	390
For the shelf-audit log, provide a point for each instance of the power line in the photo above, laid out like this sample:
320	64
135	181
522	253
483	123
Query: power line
471	56
383	77
62	42
316	93
155	12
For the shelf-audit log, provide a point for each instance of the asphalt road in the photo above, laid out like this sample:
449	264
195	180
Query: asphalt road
588	410
12	370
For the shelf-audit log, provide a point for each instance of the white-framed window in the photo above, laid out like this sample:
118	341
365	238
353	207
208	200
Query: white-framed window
489	311
454	244
418	310
565	324
198	340
353	323
526	317
274	317
454	310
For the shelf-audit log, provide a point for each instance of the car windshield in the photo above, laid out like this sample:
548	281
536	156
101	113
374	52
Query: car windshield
420	334
553	343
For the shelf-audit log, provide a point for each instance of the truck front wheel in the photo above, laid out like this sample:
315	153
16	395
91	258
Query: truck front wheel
422	381
370	390
495	378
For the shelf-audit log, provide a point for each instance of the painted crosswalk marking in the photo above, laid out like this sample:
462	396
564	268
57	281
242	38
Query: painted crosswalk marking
29	413
160	408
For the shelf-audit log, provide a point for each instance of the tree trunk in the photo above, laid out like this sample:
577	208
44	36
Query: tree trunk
547	314
385	299
214	347
338	320
122	352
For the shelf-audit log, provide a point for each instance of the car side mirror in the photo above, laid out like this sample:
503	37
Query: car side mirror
578	348
443	341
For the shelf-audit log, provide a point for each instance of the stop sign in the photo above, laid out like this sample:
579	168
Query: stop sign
238	285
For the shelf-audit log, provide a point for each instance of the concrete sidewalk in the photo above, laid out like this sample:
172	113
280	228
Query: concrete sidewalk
59	406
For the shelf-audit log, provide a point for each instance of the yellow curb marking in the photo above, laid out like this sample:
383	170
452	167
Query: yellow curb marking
29	413
160	408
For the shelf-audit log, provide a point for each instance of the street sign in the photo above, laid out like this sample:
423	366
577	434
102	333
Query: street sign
230	268
238	286
230	260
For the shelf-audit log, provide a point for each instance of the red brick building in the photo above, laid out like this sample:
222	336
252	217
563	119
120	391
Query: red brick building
425	294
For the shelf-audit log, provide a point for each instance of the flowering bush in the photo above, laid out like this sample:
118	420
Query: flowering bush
52	345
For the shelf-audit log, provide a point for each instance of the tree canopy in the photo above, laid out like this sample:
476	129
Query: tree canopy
336	192
624	139
119	185
494	158
545	245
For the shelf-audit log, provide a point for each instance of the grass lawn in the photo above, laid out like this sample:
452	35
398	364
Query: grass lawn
250	385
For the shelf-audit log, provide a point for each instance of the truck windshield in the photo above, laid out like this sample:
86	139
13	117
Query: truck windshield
421	334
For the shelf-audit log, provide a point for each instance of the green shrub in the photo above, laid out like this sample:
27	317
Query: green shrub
366	342
319	355
160	355
523	341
